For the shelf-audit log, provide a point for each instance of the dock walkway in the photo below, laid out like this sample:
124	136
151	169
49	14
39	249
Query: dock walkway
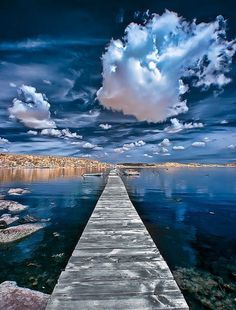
116	264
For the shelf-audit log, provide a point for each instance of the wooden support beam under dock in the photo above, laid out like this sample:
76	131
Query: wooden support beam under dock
116	264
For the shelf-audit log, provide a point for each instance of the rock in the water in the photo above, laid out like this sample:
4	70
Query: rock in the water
28	219
233	275
16	233
18	191
11	206
9	219
56	234
13	297
3	224
58	257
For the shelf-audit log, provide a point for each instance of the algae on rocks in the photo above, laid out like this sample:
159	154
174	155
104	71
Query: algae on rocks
209	291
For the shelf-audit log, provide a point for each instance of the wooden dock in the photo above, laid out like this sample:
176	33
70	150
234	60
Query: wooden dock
116	264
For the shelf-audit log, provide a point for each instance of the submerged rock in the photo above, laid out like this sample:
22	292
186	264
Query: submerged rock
9	219
11	206
16	233
206	289
28	219
58	257
18	191
178	199
56	234
13	297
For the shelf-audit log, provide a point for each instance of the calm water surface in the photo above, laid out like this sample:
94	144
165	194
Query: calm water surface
191	215
66	200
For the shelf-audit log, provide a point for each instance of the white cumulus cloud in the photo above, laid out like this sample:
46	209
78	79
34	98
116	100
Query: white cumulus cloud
32	109
129	146
165	143
60	133
105	126
177	126
88	145
146	73
32	132
91	146
3	141
198	144
178	148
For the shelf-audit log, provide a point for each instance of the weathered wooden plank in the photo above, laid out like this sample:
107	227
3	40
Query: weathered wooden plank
113	225
116	210
115	216
115	222
123	287
116	264
156	266
121	207
119	232
169	296
114	259
94	274
116	252
110	241
170	301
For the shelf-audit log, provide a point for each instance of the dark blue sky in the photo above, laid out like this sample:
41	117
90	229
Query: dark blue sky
56	47
72	18
27	18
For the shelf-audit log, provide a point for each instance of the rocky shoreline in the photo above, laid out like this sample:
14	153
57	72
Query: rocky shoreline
18	298
13	228
40	161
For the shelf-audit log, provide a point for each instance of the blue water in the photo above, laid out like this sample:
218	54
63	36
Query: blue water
66	202
191	215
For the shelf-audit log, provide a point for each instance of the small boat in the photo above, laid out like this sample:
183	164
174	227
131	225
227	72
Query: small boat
131	172
93	174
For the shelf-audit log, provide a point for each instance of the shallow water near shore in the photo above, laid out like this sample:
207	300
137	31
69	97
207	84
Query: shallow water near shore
191	215
64	200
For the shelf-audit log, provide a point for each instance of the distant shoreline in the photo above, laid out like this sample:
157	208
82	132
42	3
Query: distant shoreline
45	162
172	165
